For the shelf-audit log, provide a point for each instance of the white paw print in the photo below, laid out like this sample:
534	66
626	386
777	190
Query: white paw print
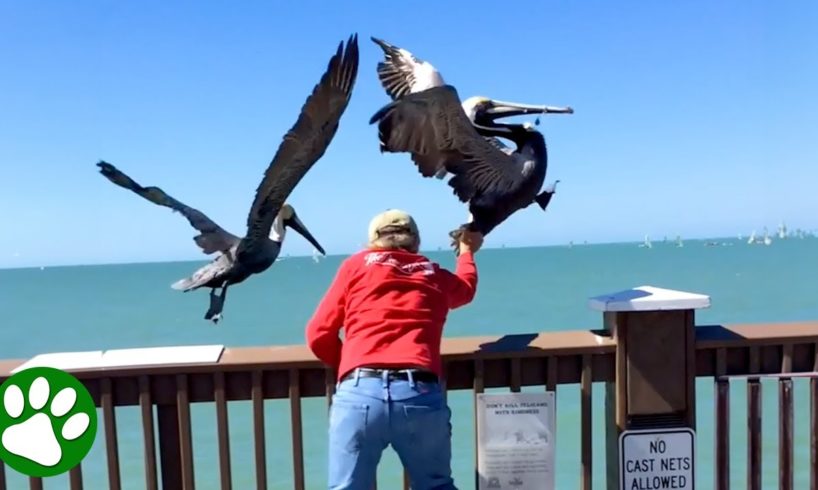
34	438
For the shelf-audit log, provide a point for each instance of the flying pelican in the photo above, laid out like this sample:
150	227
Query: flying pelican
303	145
402	73
427	119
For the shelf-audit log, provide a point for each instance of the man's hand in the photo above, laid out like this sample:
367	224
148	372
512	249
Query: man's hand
470	241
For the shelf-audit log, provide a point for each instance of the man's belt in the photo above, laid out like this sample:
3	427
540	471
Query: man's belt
393	374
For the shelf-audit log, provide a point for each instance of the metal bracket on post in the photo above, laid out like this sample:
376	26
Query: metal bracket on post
651	405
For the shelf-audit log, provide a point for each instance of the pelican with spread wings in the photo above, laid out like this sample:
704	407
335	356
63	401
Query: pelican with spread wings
444	136
303	145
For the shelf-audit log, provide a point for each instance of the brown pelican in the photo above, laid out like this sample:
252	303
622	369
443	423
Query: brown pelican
402	73
427	119
301	147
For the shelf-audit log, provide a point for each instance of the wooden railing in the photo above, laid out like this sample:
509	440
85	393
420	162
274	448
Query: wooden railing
545	360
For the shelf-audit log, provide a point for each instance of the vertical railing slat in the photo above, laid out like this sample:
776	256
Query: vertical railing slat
586	406
149	441
167	422
479	386
722	432
754	424
813	439
185	436
785	421
551	381
516	375
112	451
35	483
75	477
297	434
813	423
785	433
755	360
223	428
551	384
2	475
258	431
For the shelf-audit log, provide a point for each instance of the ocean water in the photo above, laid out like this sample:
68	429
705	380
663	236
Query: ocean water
520	290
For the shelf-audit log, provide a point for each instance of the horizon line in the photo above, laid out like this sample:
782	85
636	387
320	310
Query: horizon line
438	249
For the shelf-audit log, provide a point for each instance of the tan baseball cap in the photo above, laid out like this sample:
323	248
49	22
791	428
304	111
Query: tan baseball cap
392	218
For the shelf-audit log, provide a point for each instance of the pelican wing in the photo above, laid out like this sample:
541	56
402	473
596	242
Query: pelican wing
432	126
212	237
495	142
304	143
401	73
218	267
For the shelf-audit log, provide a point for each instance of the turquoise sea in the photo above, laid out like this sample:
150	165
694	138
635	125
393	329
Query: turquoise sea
521	290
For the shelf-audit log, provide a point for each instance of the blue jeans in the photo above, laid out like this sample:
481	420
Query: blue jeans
368	414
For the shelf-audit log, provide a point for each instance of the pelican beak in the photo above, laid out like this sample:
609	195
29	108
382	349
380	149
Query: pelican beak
499	108
295	223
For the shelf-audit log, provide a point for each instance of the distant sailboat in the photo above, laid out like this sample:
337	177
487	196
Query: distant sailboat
764	240
782	231
679	242
316	256
646	243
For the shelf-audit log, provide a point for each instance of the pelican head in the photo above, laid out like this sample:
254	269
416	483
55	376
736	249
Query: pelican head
473	105
484	111
289	218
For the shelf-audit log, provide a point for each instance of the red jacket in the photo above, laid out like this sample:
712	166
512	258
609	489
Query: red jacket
392	305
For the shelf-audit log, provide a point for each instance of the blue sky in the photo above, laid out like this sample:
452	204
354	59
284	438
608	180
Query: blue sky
692	118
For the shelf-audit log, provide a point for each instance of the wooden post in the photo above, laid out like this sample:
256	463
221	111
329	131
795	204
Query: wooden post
654	387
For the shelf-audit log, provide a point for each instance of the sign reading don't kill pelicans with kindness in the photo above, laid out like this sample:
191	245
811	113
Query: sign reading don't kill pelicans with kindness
515	441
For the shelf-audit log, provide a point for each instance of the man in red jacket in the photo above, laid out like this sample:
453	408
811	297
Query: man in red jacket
392	304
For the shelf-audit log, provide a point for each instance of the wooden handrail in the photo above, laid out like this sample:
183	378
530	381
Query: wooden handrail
576	342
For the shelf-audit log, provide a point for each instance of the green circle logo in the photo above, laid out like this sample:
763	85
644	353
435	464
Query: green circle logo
48	421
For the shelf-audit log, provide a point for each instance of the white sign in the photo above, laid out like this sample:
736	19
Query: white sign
515	441
656	459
